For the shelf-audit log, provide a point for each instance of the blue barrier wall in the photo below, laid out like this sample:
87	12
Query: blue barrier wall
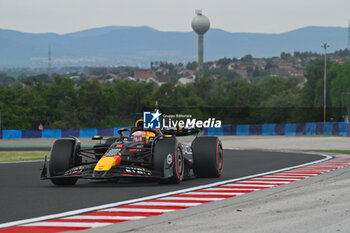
268	129
311	128
57	133
31	133
51	133
291	129
242	129
15	134
342	128
88	132
70	133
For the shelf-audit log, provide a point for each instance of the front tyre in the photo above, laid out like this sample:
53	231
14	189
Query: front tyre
208	156
63	156
168	157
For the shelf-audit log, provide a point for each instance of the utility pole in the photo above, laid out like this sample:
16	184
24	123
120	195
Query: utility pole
325	46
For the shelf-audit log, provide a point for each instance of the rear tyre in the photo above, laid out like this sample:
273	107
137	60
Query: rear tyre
163	148
63	157
208	156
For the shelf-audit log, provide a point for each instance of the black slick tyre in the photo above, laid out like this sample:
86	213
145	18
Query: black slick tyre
208	156
63	156
163	148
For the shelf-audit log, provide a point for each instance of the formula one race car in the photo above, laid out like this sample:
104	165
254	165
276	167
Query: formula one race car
137	152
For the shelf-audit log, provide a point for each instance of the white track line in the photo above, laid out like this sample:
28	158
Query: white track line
96	208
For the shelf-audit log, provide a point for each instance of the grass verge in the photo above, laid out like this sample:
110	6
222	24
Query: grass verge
15	156
333	151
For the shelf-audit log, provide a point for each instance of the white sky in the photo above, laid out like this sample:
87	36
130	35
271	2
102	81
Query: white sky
266	16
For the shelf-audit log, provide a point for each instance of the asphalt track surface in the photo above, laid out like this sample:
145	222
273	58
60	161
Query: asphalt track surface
23	195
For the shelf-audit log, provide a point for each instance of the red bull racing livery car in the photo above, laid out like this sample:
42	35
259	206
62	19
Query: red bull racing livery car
137	152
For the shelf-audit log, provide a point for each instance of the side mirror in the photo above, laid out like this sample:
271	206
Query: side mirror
97	138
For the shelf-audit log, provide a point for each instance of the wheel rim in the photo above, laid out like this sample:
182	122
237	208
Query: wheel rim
179	161
220	158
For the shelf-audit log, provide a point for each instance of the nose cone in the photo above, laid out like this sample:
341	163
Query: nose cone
200	24
105	164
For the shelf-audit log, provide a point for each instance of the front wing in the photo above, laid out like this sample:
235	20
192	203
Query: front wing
87	172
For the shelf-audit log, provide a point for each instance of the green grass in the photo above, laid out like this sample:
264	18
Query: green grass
14	156
333	151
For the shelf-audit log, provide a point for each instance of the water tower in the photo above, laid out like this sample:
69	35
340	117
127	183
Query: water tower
200	25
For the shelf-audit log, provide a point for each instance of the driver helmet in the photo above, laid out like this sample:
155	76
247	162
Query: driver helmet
139	136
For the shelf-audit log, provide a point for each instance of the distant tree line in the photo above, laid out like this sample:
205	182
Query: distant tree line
59	102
